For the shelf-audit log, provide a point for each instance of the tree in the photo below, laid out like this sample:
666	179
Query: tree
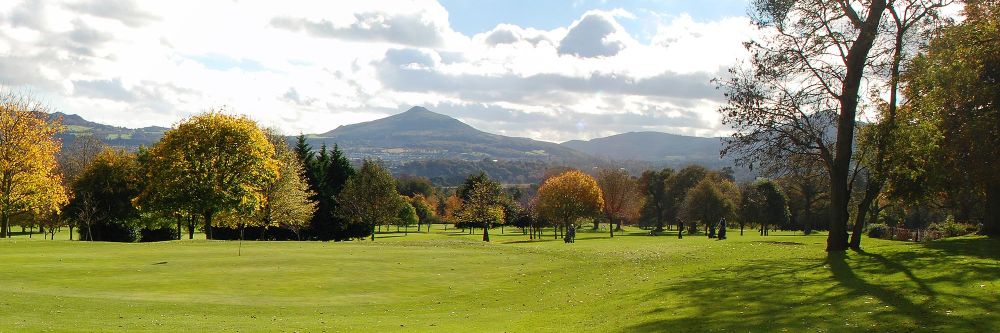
369	198
29	177
771	205
569	196
805	79
407	215
678	187
657	202
413	185
212	163
425	207
954	91
706	202
287	200
622	199
327	172
483	205
102	203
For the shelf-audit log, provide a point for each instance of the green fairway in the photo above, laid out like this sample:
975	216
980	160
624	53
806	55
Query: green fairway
447	281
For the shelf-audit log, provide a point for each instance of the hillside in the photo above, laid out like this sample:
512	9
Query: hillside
650	146
130	138
421	134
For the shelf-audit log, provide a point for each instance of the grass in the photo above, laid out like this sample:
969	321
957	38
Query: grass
449	281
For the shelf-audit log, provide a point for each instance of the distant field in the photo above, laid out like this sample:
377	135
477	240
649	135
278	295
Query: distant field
449	282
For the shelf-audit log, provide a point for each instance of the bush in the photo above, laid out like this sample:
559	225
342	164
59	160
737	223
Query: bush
110	231
158	235
950	228
878	230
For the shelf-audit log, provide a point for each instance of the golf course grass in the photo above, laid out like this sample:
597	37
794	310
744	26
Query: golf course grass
447	281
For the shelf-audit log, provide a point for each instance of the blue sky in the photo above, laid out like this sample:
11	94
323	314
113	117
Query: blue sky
472	17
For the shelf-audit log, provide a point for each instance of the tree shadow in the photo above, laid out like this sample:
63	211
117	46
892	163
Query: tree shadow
897	291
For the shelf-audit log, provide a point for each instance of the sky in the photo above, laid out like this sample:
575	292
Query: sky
547	70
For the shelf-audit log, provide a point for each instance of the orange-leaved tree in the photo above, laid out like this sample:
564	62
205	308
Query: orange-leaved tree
571	195
622	197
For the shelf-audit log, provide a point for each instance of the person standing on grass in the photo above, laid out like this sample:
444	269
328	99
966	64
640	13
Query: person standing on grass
680	229
722	228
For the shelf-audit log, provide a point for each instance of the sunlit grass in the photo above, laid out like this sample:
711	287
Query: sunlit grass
450	281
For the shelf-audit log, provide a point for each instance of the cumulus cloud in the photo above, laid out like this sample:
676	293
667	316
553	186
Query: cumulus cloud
592	36
305	67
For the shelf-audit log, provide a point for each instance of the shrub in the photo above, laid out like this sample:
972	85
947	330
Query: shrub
950	228
878	230
158	235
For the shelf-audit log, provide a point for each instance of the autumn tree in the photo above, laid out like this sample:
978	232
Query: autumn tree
569	196
407	215
369	198
212	163
30	182
677	189
287	200
622	197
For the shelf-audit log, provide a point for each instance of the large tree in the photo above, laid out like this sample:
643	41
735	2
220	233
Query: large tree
805	80
326	171
212	163
483	206
569	196
29	178
954	90
369	198
622	197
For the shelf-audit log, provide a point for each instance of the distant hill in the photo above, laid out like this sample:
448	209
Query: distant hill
650	146
130	138
421	134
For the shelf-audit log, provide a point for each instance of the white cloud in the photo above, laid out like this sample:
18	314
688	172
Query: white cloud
303	67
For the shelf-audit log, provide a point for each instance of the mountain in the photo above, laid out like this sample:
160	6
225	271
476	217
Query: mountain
651	146
419	133
131	138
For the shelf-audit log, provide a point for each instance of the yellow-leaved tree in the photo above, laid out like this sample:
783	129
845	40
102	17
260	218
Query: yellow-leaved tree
30	182
210	164
571	195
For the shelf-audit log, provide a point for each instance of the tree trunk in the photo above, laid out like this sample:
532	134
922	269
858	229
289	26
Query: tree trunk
611	227
991	224
680	230
741	229
191	226
4	218
373	232
208	225
486	233
597	224
178	216
866	203
857	58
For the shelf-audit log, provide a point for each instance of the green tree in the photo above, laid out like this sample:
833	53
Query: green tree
30	182
369	198
657	203
326	171
954	91
707	203
212	163
103	193
483	206
407	216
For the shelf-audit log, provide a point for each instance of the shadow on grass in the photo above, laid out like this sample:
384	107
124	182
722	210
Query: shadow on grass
894	290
